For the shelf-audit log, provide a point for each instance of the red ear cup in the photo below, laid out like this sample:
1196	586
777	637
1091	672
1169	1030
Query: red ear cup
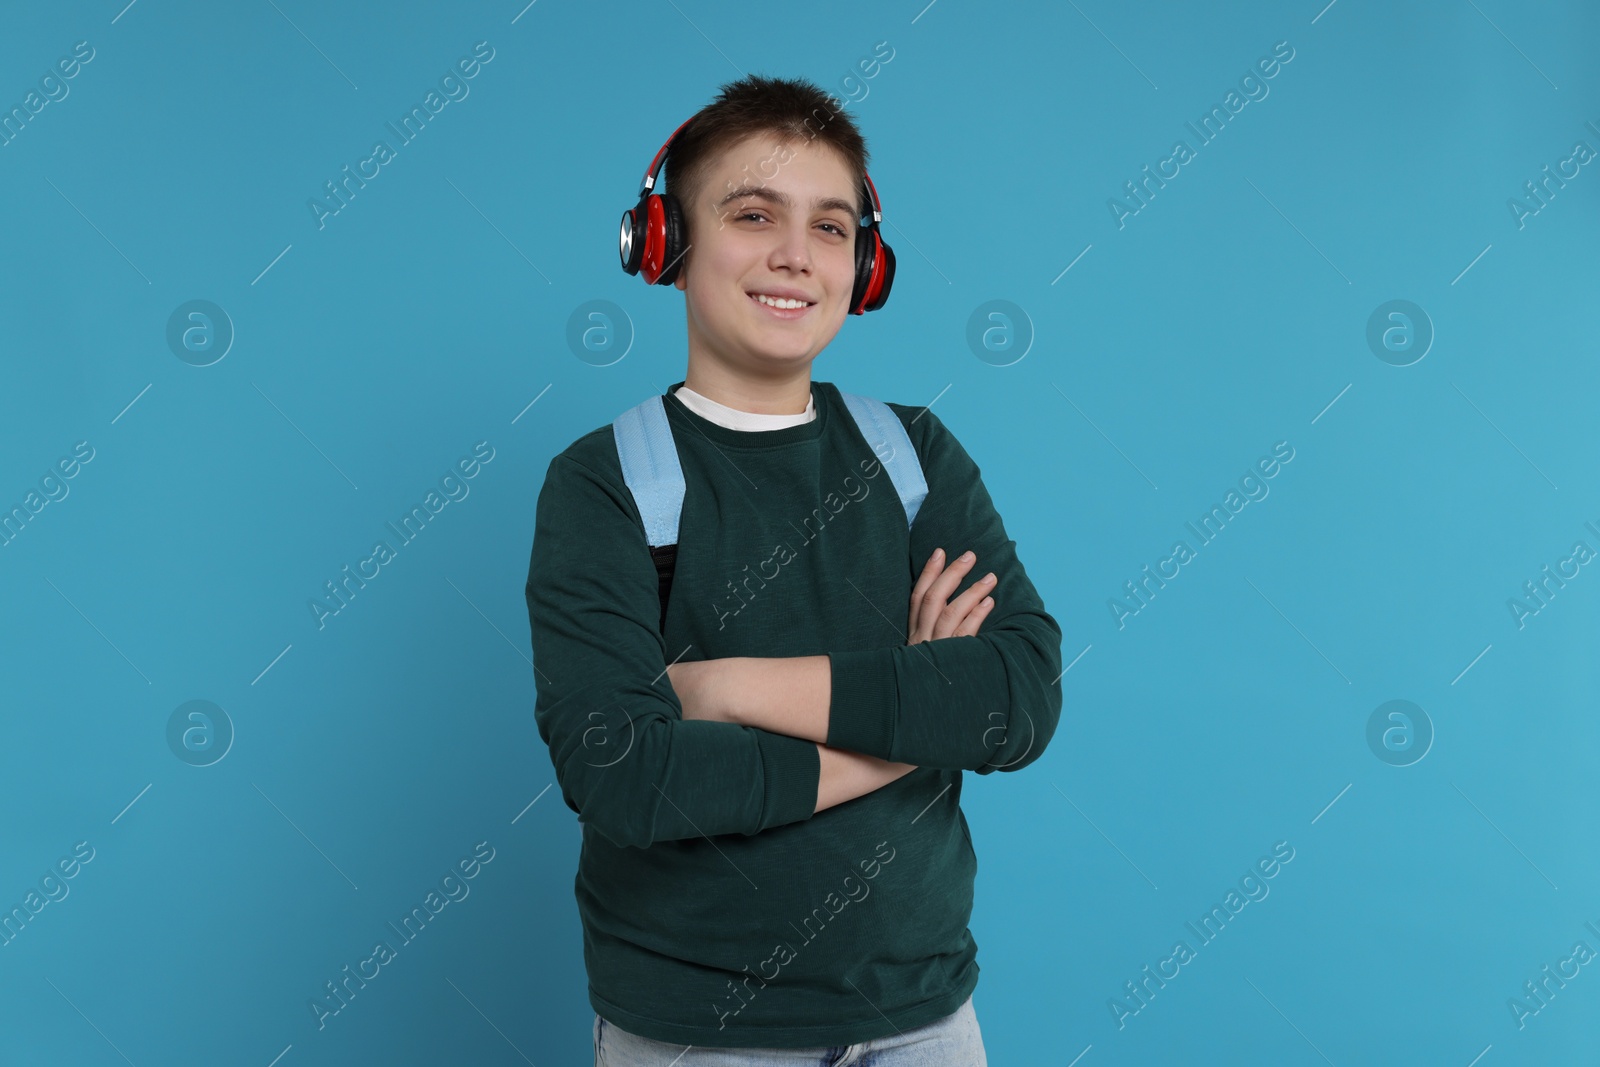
874	272
674	238
874	259
651	241
654	225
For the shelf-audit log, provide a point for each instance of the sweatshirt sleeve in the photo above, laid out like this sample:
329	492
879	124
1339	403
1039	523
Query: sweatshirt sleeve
983	703
626	760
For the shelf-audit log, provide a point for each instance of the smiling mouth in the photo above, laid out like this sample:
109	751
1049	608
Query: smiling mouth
782	313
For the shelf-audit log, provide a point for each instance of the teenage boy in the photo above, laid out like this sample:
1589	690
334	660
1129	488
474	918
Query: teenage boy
774	855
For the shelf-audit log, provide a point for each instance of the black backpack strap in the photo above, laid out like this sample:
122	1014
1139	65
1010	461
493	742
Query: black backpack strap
666	557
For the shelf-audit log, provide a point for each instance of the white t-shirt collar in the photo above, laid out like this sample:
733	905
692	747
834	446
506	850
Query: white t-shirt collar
734	419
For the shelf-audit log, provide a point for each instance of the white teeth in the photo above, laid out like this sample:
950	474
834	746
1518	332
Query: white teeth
777	303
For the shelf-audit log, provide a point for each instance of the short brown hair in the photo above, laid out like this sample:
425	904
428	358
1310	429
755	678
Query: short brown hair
793	109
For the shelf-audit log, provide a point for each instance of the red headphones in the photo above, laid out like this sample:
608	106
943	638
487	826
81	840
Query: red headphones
652	240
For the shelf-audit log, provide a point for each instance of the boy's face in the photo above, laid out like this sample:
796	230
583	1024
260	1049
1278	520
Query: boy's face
798	237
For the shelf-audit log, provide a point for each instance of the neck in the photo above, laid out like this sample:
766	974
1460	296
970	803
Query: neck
786	394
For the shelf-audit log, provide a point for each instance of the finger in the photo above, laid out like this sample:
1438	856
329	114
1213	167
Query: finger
932	590
959	608
980	611
938	592
937	619
930	571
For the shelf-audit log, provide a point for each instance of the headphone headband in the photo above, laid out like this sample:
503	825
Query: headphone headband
661	157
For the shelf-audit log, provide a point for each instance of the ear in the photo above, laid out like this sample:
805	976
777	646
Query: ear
681	282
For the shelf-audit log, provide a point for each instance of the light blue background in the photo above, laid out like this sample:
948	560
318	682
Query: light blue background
1228	315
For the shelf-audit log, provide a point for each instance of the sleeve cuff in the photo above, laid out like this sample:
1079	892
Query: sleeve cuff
791	770
865	701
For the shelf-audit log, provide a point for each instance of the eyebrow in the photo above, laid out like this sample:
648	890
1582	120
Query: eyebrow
782	199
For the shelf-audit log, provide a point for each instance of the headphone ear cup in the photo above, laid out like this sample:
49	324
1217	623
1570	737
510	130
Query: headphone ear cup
675	234
877	300
874	275
866	251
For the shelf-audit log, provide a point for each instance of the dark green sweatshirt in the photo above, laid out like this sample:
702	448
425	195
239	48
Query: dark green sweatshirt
717	909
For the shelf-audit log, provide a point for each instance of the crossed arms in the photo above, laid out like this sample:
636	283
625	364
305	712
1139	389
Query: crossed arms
648	752
793	695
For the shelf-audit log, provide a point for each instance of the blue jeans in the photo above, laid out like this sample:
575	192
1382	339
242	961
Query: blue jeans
953	1041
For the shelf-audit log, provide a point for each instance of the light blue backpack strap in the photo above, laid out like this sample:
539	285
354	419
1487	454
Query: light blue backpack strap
650	466
882	427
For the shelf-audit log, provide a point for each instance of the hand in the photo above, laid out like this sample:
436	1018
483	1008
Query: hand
932	617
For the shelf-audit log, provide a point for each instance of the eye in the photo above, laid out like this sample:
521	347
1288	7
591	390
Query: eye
836	228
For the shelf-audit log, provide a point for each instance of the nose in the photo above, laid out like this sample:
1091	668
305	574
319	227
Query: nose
793	248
